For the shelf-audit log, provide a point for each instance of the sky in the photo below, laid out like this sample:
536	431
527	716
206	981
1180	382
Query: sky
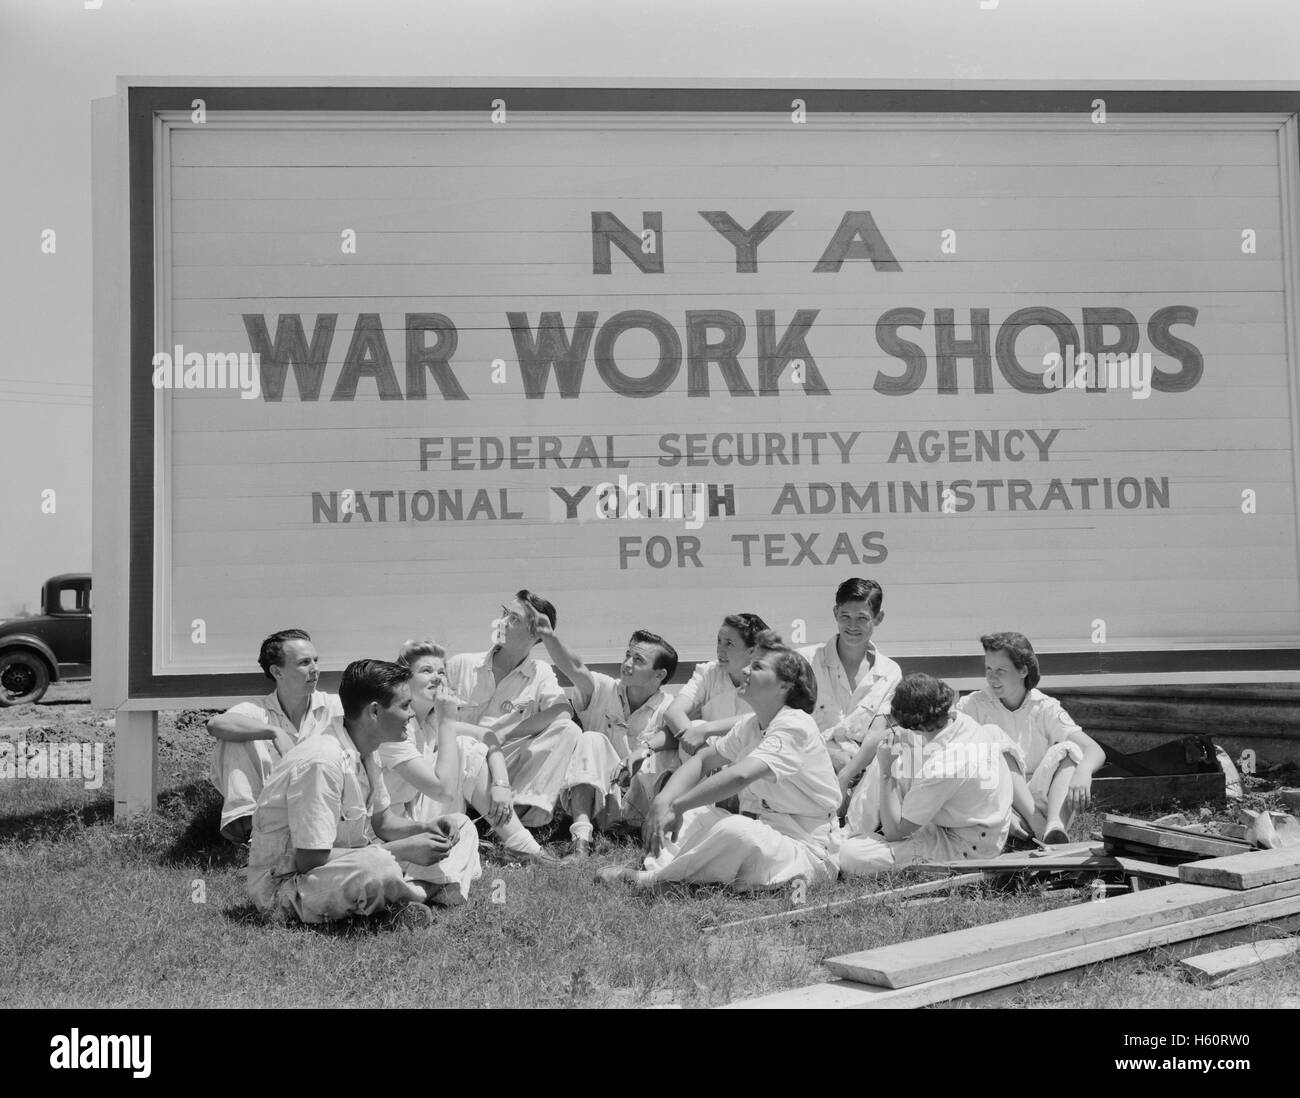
56	56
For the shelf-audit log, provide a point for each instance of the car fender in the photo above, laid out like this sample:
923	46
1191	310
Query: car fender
26	640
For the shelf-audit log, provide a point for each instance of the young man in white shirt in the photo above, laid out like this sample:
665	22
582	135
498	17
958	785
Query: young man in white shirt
254	735
517	704
623	734
327	843
855	680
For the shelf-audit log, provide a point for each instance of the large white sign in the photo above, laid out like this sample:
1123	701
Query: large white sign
1027	372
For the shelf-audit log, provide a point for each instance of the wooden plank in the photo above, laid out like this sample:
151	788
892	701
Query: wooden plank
847	994
1028	863
1175	830
1167	838
1131	792
907	963
1146	853
1227	966
1168	952
1152	870
1259	867
907	892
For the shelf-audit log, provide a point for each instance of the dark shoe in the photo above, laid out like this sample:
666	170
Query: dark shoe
239	831
448	895
410	916
579	850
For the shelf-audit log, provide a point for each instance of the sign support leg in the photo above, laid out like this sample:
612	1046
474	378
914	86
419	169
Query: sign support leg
135	763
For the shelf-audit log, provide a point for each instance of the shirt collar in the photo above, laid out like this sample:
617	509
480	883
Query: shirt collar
1029	696
340	732
833	654
528	668
314	704
650	702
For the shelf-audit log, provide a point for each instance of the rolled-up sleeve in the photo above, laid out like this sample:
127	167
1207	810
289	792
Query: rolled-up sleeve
779	753
1058	724
549	692
314	800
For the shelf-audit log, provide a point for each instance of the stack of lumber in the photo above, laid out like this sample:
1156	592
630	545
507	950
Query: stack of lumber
1165	845
1243	889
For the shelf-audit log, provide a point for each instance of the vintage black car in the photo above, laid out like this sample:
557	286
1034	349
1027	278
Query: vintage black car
53	645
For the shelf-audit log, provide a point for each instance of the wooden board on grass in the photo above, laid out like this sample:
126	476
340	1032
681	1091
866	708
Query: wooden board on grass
1031	862
1227	966
916	962
1258	867
1136	867
1130	792
1117	848
846	994
1125	829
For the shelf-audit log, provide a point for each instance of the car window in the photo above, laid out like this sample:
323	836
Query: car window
73	600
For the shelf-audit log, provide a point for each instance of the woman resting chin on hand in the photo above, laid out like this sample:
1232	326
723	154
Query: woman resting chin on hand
776	760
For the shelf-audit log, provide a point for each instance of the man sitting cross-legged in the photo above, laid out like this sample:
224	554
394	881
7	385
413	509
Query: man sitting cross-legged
625	748
256	734
326	841
514	701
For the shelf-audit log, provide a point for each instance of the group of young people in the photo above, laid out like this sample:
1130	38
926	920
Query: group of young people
771	764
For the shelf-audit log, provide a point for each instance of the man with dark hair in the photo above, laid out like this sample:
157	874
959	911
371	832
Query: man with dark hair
517	704
327	842
854	678
255	734
623	735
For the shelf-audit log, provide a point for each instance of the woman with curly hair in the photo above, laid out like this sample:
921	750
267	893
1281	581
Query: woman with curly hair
776	760
940	788
440	768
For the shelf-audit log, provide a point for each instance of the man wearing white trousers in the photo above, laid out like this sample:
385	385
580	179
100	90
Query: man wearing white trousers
516	704
327	843
253	736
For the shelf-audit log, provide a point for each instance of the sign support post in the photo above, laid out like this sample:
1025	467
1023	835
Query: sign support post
135	763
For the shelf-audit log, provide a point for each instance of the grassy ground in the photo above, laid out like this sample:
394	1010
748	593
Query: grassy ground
153	913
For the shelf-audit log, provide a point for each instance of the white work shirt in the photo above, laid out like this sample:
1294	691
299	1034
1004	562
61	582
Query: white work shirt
711	695
961	779
321	712
527	690
1039	723
802	782
322	795
839	697
610	713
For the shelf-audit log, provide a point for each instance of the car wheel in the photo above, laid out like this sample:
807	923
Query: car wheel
23	678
